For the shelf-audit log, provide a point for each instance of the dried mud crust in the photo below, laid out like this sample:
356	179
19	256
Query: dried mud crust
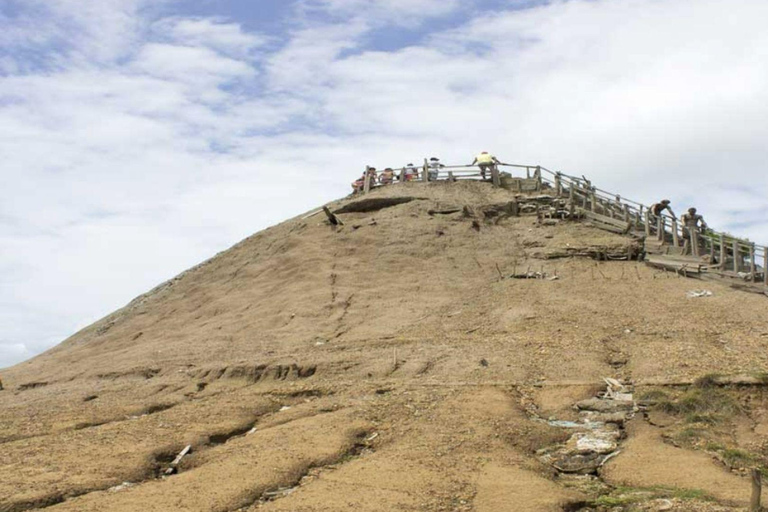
413	328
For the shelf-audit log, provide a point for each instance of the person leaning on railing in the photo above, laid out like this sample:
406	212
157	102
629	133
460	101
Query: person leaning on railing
657	209
486	162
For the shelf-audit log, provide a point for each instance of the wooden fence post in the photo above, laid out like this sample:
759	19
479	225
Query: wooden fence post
571	201
765	266
757	490
647	223
495	176
736	256
450	177
752	267
539	183
694	233
402	175
592	200
425	176
675	237
723	252
660	228
558	185
367	181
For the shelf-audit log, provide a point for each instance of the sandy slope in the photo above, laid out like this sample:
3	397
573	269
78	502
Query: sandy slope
356	355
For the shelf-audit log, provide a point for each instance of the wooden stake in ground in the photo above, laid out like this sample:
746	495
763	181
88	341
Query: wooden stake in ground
757	489
334	220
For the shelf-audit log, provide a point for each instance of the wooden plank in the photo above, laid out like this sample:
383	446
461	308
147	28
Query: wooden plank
659	261
752	267
736	256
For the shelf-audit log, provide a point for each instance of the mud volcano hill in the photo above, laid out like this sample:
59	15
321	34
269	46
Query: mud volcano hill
402	361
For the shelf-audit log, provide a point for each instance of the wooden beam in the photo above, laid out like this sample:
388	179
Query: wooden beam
425	176
402	175
752	267
558	185
736	256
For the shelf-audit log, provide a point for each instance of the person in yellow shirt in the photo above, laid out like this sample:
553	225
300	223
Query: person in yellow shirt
486	162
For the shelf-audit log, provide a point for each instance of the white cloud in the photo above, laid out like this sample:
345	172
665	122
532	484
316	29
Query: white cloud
228	38
151	143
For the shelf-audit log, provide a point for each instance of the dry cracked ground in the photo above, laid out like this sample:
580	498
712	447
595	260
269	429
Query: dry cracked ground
393	364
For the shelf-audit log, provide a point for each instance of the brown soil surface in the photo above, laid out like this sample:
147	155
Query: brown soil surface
384	365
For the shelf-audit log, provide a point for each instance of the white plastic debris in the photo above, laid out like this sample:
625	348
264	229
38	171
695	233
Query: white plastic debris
699	293
118	488
284	408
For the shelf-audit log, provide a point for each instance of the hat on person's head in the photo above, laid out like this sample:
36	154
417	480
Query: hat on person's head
434	158
666	201
409	165
484	153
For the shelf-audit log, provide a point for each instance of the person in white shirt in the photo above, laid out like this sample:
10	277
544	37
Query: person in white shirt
434	168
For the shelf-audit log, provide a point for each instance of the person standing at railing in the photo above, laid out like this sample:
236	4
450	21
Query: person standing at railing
410	172
434	168
387	176
486	162
371	174
692	221
358	185
657	209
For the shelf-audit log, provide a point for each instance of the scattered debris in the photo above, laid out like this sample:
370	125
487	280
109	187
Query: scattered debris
251	431
484	363
372	437
174	467
122	486
597	434
284	408
699	293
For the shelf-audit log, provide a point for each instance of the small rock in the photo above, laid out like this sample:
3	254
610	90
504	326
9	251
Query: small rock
484	363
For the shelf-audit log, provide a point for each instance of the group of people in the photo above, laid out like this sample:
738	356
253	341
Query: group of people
485	162
690	220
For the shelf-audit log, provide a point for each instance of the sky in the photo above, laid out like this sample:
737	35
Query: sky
141	137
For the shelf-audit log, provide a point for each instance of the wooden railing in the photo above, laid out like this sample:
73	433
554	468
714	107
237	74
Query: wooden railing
724	253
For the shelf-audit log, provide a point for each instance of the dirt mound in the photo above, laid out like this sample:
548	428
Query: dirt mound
409	359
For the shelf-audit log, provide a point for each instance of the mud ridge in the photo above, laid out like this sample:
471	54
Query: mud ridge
357	448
